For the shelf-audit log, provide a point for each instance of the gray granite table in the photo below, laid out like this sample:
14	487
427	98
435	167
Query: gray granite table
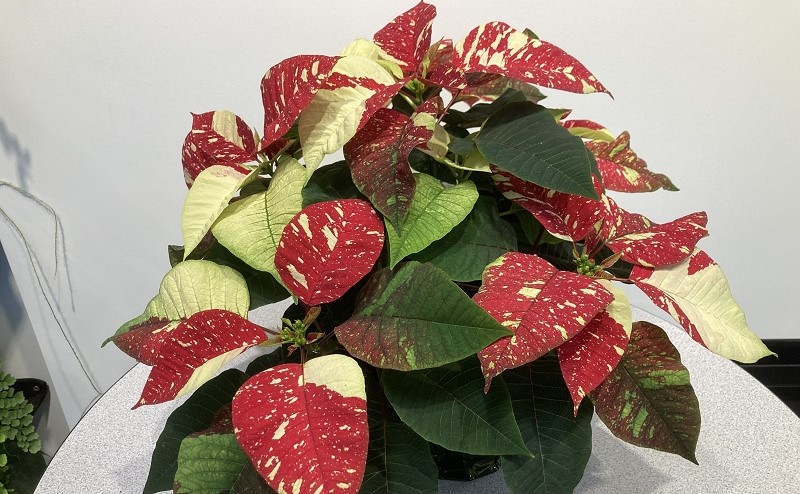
749	443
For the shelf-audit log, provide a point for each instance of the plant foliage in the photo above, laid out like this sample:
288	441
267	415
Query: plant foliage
456	278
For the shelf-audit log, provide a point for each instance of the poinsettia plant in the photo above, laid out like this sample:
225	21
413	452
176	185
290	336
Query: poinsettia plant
455	278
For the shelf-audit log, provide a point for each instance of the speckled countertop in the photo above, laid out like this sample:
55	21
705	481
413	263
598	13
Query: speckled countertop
749	441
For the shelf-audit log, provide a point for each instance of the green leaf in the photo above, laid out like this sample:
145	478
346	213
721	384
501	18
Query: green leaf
648	400
477	241
250	482
434	211
561	441
209	464
208	197
24	469
525	140
479	112
398	460
251	228
415	318
196	414
446	405
330	182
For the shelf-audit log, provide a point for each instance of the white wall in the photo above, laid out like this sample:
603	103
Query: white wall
98	95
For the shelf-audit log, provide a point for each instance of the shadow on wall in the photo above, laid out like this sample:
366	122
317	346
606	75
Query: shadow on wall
21	155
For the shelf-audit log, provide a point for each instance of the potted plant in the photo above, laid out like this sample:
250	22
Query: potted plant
455	278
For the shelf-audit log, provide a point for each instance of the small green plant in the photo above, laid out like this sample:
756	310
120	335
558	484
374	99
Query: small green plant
18	435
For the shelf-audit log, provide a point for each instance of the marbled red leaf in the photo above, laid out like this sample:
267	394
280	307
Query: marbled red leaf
217	138
622	170
327	248
408	36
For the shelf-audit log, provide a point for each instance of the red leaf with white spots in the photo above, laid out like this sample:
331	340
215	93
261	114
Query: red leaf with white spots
305	427
217	138
378	160
190	352
696	294
590	356
587	129
543	306
287	88
143	340
497	48
622	170
327	248
566	216
642	242
408	36
440	70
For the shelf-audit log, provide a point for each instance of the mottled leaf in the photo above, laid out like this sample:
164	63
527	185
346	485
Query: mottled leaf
648	400
408	36
642	242
447	406
196	414
495	88
566	216
587	129
544	308
434	211
251	228
208	197
288	88
589	357
378	159
498	48
305	427
327	248
475	242
526	141
415	318
696	293
560	440
209	464
622	170
193	351
217	138
356	88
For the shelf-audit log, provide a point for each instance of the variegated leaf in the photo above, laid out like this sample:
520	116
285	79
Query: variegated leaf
648	399
590	356
327	248
287	89
587	129
305	427
493	89
366	48
543	306
434	211
622	170
438	69
498	48
217	138
408	36
566	216
378	160
251	228
356	88
208	197
642	242
192	351
696	293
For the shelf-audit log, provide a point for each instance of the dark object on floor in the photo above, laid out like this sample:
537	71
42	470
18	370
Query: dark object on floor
780	375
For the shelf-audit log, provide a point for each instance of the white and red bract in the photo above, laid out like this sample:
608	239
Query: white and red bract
305	427
217	138
543	306
696	294
622	170
193	351
408	36
327	248
498	48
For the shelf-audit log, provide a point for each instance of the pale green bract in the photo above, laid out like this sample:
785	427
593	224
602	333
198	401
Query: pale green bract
209	196
434	211
251	228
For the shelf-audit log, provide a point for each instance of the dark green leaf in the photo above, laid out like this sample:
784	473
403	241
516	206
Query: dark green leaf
415	318
209	464
24	469
267	361
648	400
561	441
446	405
526	141
426	163
460	146
478	113
475	242
330	182
195	415
250	482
